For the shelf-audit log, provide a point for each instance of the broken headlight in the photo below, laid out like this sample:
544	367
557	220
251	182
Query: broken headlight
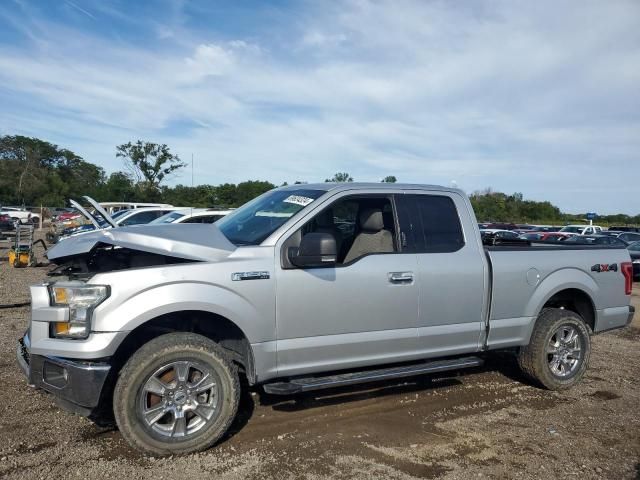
80	299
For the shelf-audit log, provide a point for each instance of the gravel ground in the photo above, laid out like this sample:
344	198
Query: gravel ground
485	423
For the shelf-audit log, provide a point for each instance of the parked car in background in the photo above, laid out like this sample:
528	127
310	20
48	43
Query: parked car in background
144	215
595	240
501	226
55	212
625	228
497	233
20	214
113	207
544	228
634	251
531	236
554	237
192	215
7	224
87	227
582	229
123	218
70	214
628	237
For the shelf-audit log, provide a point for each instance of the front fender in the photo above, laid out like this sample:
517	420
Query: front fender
180	296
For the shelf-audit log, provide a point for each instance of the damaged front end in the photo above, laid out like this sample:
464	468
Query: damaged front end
137	247
108	258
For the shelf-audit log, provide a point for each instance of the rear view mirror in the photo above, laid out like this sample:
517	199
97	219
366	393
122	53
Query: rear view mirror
316	250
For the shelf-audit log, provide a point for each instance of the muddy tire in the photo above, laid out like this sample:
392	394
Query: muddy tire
177	394
558	353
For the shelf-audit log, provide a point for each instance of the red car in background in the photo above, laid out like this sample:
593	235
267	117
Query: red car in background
67	216
554	237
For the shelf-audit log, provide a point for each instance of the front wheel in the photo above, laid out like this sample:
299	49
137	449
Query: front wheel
177	394
558	353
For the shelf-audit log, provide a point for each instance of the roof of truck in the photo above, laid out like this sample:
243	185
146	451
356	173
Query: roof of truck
368	185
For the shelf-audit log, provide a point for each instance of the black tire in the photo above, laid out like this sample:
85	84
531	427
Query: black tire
540	366
34	220
130	395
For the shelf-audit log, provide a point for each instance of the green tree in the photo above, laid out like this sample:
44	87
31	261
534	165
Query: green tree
150	164
225	195
499	207
246	191
33	172
119	187
181	195
340	177
389	179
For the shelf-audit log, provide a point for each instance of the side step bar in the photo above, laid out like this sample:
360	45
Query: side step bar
299	385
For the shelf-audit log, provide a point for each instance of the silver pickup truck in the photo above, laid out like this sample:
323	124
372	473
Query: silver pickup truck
306	287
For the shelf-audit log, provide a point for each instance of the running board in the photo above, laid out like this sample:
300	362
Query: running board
299	385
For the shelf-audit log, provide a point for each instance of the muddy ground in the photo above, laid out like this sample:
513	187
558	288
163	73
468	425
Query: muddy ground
483	423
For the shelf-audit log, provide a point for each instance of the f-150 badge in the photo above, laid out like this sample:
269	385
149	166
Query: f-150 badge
249	276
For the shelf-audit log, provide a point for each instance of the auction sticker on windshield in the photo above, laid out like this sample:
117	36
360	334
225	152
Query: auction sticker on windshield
298	200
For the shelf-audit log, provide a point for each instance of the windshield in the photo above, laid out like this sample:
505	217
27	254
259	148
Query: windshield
572	229
169	217
635	246
119	213
253	222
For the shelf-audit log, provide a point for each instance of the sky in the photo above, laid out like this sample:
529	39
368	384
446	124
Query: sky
538	97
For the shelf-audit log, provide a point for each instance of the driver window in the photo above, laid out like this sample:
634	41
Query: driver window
360	226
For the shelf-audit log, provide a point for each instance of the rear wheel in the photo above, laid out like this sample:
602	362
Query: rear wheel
558	353
177	394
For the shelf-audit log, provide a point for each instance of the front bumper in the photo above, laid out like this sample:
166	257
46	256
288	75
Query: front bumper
77	385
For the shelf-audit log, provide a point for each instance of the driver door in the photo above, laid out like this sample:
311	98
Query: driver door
348	315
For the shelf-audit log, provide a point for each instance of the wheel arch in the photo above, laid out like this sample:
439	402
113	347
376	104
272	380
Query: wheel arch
568	288
208	324
575	300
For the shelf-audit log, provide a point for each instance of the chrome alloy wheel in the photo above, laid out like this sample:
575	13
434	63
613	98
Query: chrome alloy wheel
564	351
179	399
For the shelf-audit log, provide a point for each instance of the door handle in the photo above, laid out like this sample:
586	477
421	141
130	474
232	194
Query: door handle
400	277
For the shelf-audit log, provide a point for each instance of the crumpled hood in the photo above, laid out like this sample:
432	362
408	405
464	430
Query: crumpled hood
202	242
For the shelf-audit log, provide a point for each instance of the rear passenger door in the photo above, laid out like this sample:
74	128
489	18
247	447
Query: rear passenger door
451	272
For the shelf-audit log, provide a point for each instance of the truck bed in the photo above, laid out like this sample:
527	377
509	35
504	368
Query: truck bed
524	278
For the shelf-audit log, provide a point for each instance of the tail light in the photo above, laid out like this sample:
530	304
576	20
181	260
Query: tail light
627	271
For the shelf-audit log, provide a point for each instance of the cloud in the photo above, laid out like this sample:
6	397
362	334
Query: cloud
209	59
534	97
80	9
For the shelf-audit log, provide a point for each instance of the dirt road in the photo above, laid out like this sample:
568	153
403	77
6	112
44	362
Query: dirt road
485	423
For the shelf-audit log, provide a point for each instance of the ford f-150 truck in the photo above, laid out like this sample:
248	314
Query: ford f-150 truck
303	288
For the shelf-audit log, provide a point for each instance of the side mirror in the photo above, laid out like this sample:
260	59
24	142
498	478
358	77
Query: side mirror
316	250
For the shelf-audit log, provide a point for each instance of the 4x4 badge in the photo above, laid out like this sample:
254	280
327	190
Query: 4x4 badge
605	267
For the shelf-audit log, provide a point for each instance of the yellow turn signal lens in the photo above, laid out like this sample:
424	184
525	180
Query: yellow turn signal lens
60	296
61	328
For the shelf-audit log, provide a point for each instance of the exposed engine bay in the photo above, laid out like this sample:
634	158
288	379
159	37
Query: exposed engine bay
107	258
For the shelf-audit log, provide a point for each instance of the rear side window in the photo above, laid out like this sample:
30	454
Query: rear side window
434	224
